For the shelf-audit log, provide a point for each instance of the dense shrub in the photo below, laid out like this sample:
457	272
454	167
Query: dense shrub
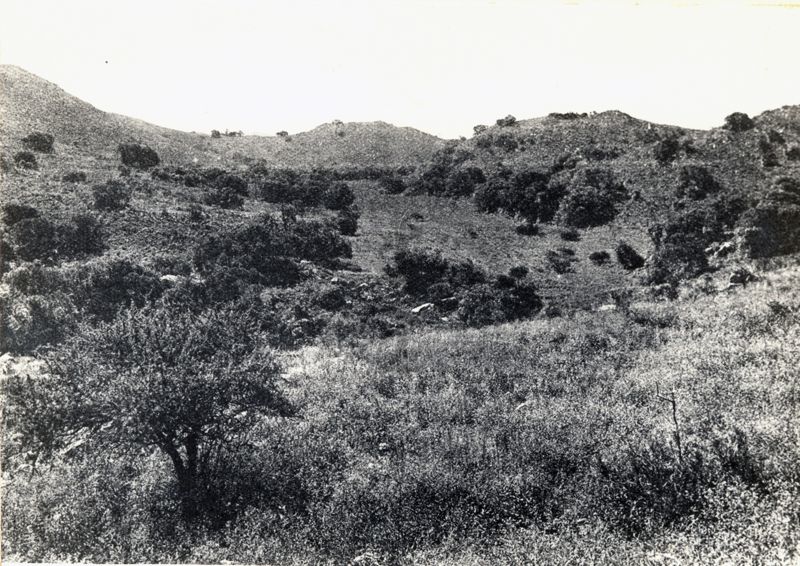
591	199
112	195
74	177
527	229
347	221
82	235
559	261
628	257
39	141
14	212
137	156
223	197
599	257
570	235
505	141
793	153
34	238
696	182
338	196
666	150
506	300
680	240
507	121
738	122
25	160
267	251
772	228
462	182
769	157
103	289
567	115
392	184
422	268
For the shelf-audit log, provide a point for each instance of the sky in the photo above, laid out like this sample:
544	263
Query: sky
439	66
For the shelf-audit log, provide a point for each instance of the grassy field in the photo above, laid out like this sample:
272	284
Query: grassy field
551	441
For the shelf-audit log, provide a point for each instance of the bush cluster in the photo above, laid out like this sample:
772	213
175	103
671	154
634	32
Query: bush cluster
137	156
31	237
112	195
268	251
25	160
39	142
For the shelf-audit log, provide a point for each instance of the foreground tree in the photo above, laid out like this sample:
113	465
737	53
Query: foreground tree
191	386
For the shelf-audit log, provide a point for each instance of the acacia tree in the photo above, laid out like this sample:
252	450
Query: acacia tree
191	386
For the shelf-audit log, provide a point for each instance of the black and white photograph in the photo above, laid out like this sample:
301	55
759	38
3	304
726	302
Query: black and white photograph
400	283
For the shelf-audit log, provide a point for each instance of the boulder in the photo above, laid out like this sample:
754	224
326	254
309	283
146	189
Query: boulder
422	308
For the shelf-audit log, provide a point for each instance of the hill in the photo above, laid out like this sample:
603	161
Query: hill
29	103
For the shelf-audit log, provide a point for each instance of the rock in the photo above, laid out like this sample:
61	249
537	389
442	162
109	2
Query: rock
421	308
170	279
606	308
742	276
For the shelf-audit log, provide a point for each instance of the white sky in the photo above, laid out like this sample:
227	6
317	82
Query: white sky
440	66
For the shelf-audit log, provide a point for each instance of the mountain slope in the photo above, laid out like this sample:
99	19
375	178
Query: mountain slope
29	103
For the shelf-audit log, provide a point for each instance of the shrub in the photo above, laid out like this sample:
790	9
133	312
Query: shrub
505	141
208	381
599	257
111	195
507	121
423	268
462	182
507	300
105	289
74	177
39	141
527	229
666	150
518	272
338	196
215	134
769	157
561	263
770	229
83	235
591	199
14	212
567	115
347	221
137	156
266	251
25	160
628	257
479	129
392	184
223	197
696	182
34	238
738	122
570	235
793	153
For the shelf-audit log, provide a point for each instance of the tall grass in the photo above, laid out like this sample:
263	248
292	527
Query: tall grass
616	437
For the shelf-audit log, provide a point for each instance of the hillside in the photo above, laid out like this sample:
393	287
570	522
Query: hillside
365	345
29	103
